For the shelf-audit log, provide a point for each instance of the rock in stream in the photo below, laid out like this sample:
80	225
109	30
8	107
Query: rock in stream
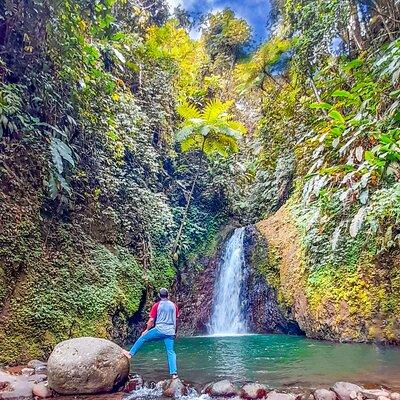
87	365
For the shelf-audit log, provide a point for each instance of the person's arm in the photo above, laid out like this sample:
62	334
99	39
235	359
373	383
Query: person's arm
149	325
152	318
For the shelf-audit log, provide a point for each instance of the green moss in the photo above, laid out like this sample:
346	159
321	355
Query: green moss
266	259
347	283
71	291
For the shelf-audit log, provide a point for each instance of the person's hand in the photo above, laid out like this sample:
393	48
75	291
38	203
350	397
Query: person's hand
127	354
144	332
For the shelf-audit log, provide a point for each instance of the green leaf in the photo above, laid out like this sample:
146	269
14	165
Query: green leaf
353	64
322	106
337	116
342	93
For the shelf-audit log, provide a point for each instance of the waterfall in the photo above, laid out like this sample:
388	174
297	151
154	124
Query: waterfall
227	317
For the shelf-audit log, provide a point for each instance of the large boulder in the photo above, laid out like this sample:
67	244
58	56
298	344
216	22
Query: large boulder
345	390
87	365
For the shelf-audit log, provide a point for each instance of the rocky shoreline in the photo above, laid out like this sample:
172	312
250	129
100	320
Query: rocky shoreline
97	369
31	382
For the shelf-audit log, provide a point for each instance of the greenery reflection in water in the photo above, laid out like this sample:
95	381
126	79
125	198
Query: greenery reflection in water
276	360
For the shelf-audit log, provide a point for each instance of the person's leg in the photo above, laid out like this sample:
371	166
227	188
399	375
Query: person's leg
171	356
152	334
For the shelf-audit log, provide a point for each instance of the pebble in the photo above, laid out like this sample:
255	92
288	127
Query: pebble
42	390
27	371
253	391
374	393
324	394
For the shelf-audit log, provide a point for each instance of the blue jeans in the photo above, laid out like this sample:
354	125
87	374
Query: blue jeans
153	335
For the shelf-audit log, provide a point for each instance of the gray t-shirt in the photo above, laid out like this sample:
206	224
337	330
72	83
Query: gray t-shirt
165	313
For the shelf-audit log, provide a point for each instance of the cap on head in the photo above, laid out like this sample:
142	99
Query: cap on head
163	293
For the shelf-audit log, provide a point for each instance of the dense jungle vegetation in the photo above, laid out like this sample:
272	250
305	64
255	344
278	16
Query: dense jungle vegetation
126	146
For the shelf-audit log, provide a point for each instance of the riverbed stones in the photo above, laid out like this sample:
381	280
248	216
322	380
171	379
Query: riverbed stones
134	382
343	390
374	393
27	371
87	365
222	388
174	388
280	396
40	367
15	387
253	391
324	394
394	396
42	390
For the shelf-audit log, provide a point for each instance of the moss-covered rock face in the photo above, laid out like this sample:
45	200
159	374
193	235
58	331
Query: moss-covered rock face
340	288
55	290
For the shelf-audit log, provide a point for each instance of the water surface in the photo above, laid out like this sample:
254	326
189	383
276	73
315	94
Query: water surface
276	360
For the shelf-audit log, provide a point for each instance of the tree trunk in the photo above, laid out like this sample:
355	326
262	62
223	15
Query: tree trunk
185	212
355	25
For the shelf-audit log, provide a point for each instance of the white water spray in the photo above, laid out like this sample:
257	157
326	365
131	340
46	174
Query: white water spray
227	317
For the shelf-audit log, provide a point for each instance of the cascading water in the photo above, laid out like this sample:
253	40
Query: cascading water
227	317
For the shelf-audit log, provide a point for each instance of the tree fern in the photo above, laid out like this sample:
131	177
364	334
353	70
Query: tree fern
212	131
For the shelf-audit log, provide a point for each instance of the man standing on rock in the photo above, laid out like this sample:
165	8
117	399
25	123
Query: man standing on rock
161	326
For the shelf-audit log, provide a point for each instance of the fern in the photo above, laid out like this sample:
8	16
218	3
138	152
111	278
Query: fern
214	128
188	111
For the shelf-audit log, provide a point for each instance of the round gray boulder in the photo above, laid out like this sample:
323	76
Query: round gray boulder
87	365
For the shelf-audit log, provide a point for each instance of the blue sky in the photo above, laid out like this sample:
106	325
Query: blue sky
255	12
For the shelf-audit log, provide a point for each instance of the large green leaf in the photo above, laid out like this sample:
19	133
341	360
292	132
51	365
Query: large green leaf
337	116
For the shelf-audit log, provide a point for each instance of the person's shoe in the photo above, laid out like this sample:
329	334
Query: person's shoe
127	354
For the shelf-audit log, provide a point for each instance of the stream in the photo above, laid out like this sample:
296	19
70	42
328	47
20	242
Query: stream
275	360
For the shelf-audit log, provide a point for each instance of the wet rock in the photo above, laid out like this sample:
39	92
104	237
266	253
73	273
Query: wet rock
223	388
174	388
374	393
344	389
324	394
27	371
4	386
253	391
394	396
36	378
15	387
280	396
87	365
150	385
42	390
40	367
134	383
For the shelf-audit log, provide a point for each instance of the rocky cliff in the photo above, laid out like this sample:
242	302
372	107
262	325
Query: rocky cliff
356	300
